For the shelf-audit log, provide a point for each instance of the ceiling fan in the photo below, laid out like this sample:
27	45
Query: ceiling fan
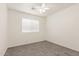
42	8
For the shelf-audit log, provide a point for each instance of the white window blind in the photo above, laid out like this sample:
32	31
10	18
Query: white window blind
30	25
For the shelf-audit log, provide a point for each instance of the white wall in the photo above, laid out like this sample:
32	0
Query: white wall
3	29
16	36
63	27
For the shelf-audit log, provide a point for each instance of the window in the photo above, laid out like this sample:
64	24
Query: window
30	25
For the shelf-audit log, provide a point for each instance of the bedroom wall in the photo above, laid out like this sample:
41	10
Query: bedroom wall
63	27
3	28
16	36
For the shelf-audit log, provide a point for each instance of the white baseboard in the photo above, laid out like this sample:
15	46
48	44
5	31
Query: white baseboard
63	45
19	44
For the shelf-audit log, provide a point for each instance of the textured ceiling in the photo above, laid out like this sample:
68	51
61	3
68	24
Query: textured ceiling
27	7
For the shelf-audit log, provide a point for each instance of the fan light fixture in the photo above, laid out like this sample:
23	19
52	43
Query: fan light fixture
43	8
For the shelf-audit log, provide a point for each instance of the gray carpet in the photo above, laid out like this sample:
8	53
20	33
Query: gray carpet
43	48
